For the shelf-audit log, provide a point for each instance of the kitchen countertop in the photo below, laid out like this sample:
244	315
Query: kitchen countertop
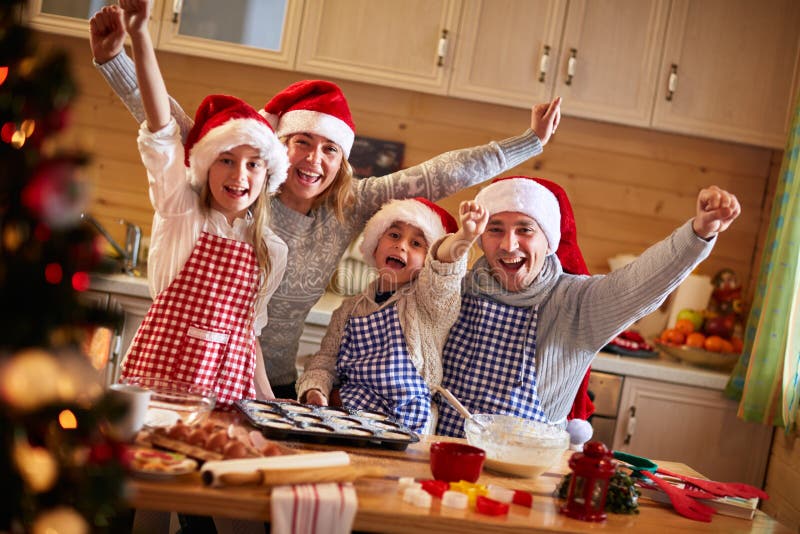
662	368
120	283
381	506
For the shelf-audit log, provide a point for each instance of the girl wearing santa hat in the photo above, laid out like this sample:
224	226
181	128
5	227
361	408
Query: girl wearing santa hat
383	347
320	209
214	262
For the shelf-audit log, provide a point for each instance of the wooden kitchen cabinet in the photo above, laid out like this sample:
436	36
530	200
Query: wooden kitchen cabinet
262	32
735	66
70	17
693	425
601	56
401	44
508	50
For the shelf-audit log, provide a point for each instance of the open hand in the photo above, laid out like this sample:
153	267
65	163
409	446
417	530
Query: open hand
716	210
545	119
106	33
473	218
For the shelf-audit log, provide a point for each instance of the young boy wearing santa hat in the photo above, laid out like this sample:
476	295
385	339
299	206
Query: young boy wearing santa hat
527	332
214	262
383	347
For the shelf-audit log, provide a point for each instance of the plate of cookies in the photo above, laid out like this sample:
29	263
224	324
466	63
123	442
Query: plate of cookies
153	463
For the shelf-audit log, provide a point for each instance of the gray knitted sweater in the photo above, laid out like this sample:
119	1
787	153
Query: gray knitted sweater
317	240
578	315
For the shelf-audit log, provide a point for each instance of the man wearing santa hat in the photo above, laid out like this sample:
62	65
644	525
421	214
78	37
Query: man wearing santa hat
527	331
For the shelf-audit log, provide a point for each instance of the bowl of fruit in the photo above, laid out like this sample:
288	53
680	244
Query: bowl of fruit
702	340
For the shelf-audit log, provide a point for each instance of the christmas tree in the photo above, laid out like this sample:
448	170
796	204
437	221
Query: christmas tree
56	464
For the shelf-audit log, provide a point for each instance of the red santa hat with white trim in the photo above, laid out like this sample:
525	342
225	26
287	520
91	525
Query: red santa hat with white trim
224	122
433	220
525	195
313	106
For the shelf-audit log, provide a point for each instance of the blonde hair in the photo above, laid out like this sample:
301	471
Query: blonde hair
260	210
339	194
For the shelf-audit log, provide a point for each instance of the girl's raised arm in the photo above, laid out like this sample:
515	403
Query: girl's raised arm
155	99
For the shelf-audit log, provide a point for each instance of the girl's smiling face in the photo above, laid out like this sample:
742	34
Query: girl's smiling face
399	255
515	248
314	162
235	179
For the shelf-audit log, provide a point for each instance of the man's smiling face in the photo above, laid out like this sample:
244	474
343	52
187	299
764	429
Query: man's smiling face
515	248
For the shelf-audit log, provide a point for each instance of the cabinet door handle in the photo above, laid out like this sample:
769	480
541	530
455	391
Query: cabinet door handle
631	429
177	6
543	62
672	82
571	62
442	49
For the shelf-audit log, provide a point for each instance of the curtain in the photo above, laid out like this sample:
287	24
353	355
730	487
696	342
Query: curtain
766	377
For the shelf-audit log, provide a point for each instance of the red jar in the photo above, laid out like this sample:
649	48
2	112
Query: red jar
452	462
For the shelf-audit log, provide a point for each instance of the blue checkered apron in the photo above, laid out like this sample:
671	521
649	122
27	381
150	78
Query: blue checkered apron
376	372
488	363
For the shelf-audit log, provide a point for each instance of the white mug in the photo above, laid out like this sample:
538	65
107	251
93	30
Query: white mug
137	399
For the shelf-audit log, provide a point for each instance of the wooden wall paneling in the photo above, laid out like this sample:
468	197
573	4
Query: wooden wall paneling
783	479
652	144
629	186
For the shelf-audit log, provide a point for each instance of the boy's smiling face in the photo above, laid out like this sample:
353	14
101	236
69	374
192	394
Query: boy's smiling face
399	256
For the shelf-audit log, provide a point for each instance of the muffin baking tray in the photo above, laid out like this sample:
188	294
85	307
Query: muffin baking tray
322	424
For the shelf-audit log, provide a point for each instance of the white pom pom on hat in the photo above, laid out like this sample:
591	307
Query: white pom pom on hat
433	220
313	106
580	431
223	122
525	195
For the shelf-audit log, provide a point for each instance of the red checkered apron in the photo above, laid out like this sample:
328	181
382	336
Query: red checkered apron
200	328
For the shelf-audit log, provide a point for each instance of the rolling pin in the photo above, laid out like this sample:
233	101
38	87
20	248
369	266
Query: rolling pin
280	477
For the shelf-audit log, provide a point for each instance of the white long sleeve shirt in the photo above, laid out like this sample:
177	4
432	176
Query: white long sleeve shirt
179	219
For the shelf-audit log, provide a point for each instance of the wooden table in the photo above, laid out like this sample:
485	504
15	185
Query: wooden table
381	507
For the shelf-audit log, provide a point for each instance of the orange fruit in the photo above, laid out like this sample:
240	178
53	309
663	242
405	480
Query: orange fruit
696	340
738	344
714	344
727	346
684	325
673	336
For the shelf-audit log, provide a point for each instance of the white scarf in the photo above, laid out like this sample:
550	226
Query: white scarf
481	283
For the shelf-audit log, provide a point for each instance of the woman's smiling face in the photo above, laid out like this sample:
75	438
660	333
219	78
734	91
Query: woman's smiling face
515	248
314	162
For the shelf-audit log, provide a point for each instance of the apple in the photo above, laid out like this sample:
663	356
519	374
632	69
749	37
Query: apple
721	325
695	316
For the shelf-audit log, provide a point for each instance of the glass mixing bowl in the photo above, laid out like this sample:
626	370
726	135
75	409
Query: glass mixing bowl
172	401
516	446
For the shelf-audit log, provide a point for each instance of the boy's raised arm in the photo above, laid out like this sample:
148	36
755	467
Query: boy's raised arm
472	218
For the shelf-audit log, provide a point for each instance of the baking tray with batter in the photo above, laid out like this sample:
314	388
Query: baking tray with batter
323	424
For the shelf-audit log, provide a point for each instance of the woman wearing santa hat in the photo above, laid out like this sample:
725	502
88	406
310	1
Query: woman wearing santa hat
214	262
320	209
